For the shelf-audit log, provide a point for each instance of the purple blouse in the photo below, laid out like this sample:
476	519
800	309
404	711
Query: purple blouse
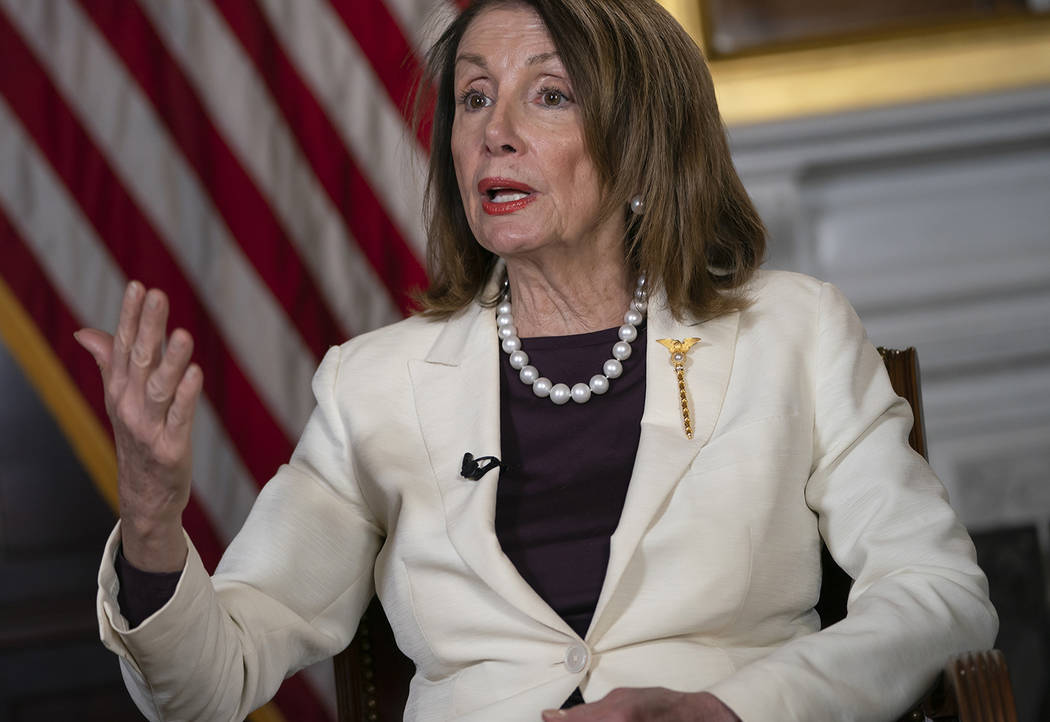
566	469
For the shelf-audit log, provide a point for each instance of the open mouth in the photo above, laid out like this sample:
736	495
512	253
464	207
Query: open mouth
506	195
503	196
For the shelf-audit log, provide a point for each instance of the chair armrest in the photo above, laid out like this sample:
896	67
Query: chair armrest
974	687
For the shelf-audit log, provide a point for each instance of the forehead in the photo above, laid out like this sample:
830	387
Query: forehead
507	30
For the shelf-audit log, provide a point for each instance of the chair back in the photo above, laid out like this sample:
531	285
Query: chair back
903	368
372	675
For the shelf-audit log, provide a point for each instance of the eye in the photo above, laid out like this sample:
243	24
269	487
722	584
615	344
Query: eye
474	100
553	98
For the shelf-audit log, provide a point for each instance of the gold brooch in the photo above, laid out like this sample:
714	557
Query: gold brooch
678	351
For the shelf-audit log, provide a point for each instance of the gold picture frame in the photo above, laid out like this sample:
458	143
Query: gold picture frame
872	72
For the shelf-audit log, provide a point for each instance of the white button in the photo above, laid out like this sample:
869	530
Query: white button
576	658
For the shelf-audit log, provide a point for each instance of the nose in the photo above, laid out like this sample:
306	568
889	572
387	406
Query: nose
501	130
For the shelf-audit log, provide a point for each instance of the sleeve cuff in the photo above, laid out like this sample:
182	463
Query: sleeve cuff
115	630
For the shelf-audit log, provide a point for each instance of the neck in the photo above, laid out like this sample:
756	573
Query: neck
568	298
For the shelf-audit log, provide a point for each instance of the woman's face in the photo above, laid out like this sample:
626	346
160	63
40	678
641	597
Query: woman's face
524	174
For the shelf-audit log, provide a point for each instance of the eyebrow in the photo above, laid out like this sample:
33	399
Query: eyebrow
542	58
473	59
480	61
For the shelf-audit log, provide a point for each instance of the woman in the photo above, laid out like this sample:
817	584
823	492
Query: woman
596	323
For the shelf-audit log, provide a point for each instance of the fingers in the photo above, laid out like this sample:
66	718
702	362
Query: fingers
97	343
127	330
147	385
162	382
180	413
145	352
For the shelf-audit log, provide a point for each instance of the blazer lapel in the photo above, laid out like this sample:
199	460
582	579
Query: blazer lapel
664	452
456	389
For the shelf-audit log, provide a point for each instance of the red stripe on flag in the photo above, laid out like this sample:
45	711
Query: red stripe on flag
381	242
391	57
298	701
249	216
138	248
53	318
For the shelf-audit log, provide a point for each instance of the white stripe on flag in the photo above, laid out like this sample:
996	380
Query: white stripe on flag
50	221
422	21
92	286
125	127
372	127
221	483
240	105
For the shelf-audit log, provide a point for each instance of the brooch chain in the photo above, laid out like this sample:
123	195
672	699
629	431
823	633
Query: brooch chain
678	350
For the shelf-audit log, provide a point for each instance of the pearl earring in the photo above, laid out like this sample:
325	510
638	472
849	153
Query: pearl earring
637	205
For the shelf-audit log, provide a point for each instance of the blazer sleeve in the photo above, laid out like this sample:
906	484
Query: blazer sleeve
288	592
918	597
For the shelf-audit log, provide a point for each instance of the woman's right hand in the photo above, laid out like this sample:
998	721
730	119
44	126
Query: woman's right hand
151	393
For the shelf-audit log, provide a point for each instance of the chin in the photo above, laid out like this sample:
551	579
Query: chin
513	246
507	238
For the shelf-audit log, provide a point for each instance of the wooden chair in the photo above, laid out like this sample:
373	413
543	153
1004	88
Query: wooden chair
973	687
372	675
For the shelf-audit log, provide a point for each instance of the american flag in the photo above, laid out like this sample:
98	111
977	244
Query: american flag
254	159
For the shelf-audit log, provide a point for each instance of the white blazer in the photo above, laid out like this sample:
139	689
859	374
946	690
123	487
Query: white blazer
714	568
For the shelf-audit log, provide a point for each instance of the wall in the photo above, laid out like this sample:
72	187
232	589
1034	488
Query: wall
935	221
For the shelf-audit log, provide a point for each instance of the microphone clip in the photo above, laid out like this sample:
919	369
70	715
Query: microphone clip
473	469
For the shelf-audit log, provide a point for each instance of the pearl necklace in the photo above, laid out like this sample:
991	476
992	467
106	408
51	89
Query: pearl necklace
580	392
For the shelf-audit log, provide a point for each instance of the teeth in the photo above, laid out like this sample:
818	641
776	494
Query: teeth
508	196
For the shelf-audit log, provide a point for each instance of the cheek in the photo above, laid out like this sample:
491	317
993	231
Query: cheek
573	166
583	179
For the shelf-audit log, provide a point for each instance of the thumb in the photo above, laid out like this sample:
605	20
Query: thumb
97	343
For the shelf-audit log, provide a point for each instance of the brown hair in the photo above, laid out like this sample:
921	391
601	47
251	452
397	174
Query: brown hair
652	128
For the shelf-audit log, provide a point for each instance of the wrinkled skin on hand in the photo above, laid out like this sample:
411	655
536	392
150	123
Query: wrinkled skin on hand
151	392
647	704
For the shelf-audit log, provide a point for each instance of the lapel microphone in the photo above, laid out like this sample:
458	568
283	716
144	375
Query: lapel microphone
472	468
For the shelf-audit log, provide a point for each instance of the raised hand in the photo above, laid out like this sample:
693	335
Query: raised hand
647	704
151	393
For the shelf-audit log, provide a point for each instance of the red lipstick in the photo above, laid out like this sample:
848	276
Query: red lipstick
491	188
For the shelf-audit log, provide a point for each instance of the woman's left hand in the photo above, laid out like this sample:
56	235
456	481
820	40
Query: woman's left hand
647	704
